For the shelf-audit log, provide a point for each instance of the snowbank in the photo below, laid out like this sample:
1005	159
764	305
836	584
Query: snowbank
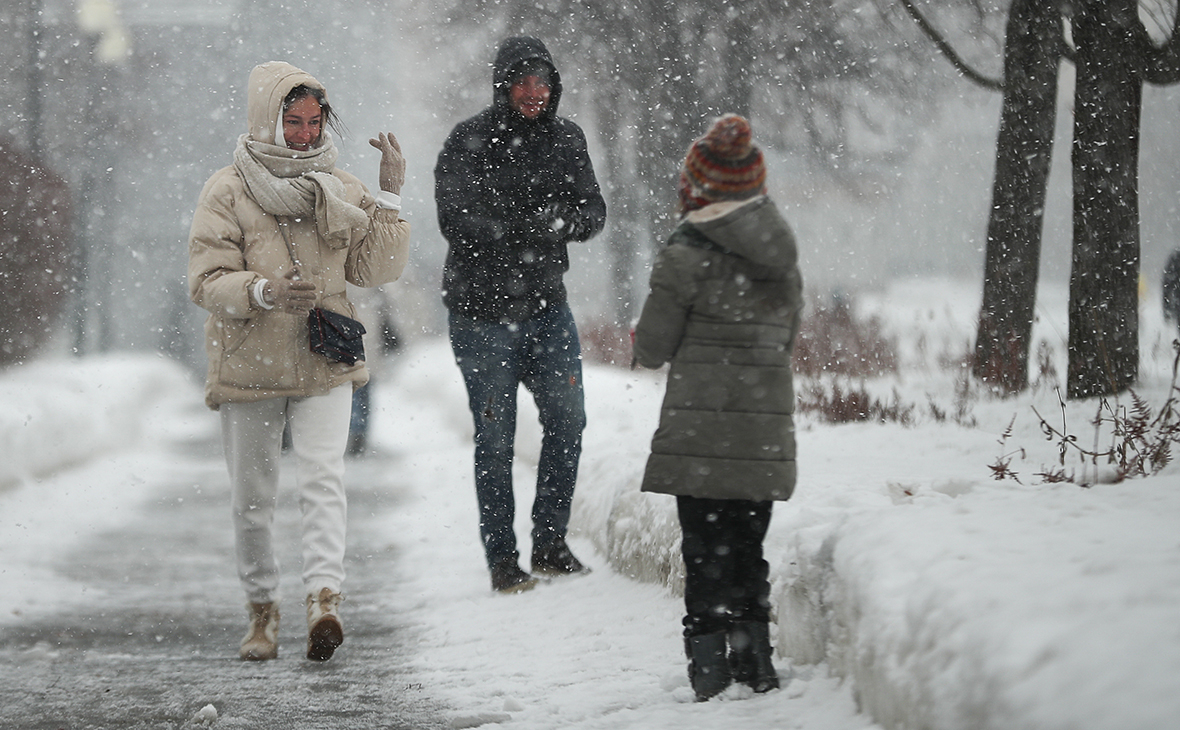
80	448
59	413
1008	607
948	599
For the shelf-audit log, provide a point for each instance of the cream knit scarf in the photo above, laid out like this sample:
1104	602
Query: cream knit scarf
297	184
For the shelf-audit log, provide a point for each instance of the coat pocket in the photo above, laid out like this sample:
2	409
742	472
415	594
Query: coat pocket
259	353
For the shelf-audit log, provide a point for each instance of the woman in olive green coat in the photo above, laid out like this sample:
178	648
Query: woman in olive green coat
725	302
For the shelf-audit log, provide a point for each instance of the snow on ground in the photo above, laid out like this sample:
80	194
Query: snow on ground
911	589
78	453
65	412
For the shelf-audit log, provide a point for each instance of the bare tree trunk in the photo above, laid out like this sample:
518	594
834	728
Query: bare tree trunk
36	78
739	66
672	107
1024	149
1103	290
98	209
622	191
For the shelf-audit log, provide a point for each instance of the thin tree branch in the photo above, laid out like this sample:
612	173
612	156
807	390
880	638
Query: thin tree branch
948	51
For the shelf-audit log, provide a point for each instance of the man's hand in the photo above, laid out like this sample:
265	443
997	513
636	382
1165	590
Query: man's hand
393	164
289	294
563	222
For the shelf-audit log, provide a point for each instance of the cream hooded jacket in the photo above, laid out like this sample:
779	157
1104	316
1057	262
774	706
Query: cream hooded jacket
255	353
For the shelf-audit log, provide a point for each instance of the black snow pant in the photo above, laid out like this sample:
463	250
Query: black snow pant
725	574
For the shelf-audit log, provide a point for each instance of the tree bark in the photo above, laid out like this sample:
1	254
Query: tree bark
1024	149
739	66
624	222
670	116
1104	280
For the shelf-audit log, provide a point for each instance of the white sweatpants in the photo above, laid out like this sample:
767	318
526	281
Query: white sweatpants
252	436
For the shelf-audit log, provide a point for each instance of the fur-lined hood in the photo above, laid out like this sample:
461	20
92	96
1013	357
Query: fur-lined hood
752	228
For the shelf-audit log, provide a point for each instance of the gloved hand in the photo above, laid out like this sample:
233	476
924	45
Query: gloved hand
393	165
290	294
563	221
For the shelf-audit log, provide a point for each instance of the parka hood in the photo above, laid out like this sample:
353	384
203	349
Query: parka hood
513	52
752	229
269	84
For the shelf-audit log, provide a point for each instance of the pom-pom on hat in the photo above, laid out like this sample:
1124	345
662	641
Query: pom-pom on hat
725	164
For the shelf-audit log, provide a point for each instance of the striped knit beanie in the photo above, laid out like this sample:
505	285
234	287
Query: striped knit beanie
723	165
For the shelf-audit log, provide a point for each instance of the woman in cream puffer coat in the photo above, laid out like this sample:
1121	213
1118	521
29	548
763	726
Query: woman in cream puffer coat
278	232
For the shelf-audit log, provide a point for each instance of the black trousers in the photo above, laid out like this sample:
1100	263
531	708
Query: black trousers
725	574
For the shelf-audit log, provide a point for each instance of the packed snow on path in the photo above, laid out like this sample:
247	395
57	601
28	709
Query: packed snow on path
910	588
80	448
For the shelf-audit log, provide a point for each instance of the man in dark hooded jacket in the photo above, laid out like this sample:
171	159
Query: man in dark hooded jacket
514	185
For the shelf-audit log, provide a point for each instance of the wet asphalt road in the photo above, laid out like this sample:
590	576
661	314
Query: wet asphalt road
159	642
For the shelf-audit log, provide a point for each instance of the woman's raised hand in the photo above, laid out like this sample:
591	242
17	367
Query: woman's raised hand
393	164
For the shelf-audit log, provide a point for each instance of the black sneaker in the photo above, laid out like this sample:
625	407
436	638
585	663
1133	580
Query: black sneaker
507	577
556	559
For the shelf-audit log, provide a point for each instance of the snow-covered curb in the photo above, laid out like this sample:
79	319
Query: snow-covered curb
59	413
947	604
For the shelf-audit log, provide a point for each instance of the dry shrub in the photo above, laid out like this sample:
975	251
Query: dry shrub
832	341
36	266
836	403
965	396
832	349
1141	438
606	343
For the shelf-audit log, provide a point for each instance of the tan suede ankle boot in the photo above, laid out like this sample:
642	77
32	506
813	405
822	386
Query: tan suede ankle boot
324	630
262	636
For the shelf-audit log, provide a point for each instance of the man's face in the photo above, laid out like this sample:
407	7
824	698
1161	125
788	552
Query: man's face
529	96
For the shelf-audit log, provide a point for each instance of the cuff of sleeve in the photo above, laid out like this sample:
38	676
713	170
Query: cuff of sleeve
258	287
388	200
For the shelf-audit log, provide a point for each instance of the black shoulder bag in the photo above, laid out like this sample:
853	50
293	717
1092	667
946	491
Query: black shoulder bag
335	336
332	335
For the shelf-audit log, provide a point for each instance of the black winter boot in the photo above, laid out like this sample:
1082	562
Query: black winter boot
708	668
556	559
750	656
507	577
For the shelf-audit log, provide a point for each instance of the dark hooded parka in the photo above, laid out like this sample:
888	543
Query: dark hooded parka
497	175
724	308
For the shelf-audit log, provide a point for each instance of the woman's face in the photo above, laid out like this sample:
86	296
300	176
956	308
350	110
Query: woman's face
303	123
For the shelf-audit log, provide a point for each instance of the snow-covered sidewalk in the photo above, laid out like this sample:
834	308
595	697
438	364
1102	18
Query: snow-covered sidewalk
911	590
596	651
